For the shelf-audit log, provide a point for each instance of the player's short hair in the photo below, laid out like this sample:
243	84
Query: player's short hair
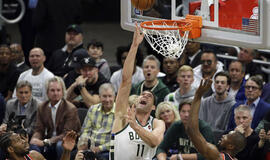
167	105
239	141
185	68
5	141
132	99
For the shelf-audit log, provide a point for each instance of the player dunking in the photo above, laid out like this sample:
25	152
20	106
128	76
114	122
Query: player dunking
230	144
135	133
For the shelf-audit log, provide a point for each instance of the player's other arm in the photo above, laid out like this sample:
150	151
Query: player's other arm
153	138
125	86
208	150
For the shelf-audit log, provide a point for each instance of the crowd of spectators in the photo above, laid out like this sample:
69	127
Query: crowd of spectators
75	89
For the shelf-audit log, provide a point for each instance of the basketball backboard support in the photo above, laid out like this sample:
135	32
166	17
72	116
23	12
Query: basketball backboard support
228	22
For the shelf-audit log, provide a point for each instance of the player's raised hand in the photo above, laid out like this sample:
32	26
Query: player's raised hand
137	36
204	87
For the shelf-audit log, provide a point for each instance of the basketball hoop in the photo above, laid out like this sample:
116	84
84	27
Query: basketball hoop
169	37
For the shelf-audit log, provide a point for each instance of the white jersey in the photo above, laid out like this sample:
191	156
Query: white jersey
127	145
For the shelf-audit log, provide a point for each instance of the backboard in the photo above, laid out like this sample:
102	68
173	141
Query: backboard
229	22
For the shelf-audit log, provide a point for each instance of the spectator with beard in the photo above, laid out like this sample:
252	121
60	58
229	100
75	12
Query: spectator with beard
216	109
86	85
37	75
18	57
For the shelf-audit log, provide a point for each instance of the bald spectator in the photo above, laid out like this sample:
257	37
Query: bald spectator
18	57
60	62
37	75
8	72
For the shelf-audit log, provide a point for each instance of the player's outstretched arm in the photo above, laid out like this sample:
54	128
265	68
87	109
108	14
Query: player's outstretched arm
208	150
125	86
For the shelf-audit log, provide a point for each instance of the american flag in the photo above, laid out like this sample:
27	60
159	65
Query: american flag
250	25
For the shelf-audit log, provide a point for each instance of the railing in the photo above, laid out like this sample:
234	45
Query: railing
235	58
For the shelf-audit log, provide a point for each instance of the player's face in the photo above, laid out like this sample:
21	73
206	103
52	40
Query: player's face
145	101
209	63
107	99
95	52
89	72
221	85
36	58
243	118
170	65
185	79
73	38
252	90
55	92
19	145
150	70
23	94
235	72
225	139
167	115
184	113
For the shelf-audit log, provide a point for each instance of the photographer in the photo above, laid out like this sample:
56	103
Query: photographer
24	105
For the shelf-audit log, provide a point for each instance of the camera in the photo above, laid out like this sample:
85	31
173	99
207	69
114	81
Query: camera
15	124
89	155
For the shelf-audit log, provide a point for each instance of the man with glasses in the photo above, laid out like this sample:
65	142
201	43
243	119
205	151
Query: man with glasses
207	69
253	91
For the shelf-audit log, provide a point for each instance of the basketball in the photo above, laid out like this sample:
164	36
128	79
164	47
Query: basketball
143	4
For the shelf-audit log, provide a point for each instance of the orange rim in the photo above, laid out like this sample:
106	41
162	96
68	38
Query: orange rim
183	25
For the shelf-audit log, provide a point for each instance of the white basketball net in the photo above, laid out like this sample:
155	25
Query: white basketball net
169	43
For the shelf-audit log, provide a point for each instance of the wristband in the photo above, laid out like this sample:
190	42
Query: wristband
179	157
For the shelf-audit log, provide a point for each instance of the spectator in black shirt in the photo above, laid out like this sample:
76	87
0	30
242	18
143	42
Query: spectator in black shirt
87	84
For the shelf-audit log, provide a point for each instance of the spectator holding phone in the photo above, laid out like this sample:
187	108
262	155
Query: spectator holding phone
262	148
